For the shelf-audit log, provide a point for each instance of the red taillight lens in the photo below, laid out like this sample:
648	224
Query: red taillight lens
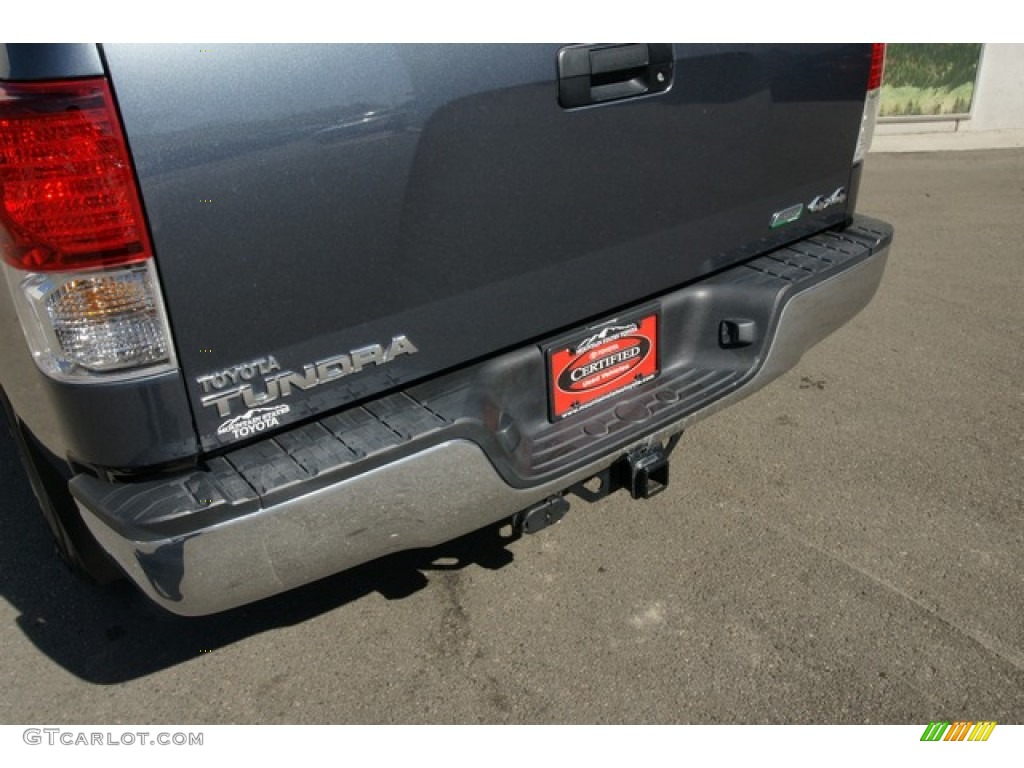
877	65
67	194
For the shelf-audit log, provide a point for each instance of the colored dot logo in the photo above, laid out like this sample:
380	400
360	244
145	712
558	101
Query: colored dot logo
958	730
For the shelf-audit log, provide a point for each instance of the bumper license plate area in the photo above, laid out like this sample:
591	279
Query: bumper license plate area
601	362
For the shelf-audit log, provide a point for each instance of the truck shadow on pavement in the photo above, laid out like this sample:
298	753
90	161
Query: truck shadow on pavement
113	634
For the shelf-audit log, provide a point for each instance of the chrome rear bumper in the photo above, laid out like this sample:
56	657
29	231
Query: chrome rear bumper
238	530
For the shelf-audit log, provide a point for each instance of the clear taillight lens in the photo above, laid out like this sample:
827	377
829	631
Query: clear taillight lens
73	238
80	324
872	101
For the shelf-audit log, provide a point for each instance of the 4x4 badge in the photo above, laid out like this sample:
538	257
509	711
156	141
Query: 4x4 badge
821	202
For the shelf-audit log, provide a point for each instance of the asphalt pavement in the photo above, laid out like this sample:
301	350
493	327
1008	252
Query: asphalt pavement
846	546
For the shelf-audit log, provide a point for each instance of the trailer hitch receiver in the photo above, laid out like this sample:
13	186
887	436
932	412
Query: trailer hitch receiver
646	472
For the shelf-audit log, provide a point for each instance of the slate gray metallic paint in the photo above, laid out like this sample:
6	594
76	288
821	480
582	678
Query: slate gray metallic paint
359	192
331	230
387	509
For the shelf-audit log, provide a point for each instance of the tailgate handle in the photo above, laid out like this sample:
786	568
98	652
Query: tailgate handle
593	74
619	58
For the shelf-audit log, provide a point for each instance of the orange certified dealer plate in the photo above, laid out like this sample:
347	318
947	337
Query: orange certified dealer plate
600	363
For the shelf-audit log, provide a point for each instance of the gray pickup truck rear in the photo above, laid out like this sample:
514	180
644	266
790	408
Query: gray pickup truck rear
276	311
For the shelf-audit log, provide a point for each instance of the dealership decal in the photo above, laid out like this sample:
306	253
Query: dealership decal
604	363
253	421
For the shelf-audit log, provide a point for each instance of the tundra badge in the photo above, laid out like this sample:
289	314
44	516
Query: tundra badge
221	387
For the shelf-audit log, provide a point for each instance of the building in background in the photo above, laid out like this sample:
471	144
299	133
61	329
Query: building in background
929	80
952	95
